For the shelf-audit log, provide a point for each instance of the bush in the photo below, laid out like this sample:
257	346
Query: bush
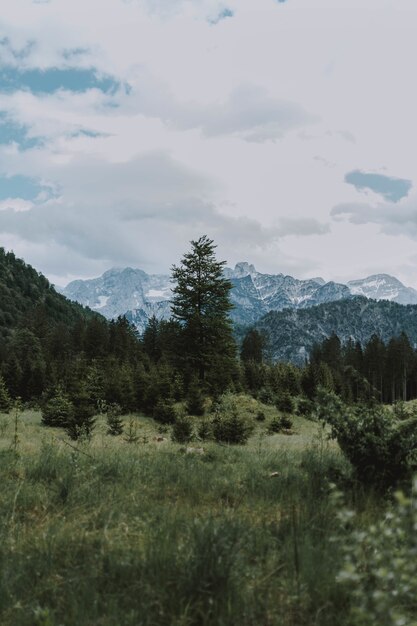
266	396
278	424
228	426
182	431
285	403
82	422
380	565
5	401
164	412
114	421
305	407
205	430
58	410
260	416
381	448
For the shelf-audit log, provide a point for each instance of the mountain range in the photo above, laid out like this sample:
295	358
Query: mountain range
138	295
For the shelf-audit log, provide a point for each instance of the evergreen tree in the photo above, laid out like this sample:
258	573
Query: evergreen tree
201	305
195	399
115	424
252	346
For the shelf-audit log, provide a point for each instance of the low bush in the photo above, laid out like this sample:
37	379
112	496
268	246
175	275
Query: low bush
280	423
114	420
58	410
228	425
380	565
381	448
285	403
165	412
182	430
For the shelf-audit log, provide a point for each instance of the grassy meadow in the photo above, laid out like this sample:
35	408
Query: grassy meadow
111	533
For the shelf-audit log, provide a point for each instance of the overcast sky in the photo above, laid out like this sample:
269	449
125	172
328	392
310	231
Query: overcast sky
284	129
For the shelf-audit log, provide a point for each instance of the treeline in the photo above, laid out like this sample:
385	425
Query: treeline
51	347
384	371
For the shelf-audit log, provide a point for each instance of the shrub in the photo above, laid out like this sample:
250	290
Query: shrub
381	448
228	425
305	407
380	565
5	401
260	416
82	422
131	435
58	410
164	412
280	423
114	421
266	396
285	403
205	430
182	430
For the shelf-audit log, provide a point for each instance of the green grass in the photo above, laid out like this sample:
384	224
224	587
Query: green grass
119	534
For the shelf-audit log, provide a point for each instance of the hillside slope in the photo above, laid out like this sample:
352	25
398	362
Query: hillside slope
292	333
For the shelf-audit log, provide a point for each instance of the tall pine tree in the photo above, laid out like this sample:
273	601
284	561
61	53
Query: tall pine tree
201	305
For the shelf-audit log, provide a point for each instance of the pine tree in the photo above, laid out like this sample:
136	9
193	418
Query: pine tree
201	305
252	346
115	424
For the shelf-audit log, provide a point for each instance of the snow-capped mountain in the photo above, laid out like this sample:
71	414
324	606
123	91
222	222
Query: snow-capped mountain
126	291
383	287
138	295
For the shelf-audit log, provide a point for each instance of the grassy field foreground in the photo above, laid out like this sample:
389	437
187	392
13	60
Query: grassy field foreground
118	534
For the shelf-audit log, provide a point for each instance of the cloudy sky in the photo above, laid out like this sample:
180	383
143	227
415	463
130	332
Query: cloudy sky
284	129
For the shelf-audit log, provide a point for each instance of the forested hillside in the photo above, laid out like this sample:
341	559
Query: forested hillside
46	340
293	333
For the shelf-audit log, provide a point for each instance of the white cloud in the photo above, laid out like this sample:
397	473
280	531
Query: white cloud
211	137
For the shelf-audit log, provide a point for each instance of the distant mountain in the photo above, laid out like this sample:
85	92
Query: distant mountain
127	291
255	294
383	287
138	295
292	333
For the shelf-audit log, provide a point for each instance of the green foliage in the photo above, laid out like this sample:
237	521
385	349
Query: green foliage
260	416
380	565
131	432
279	424
182	430
195	399
5	401
82	422
165	412
266	396
58	410
305	407
205	430
253	345
228	426
381	448
201	305
285	403
114	421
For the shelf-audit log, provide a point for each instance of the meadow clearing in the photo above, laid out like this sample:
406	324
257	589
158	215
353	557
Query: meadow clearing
112	533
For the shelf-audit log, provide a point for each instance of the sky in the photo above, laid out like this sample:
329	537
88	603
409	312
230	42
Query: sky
285	130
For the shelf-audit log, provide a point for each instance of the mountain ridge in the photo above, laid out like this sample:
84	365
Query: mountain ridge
138	295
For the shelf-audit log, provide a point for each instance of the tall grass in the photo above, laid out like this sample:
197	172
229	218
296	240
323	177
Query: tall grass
126	535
